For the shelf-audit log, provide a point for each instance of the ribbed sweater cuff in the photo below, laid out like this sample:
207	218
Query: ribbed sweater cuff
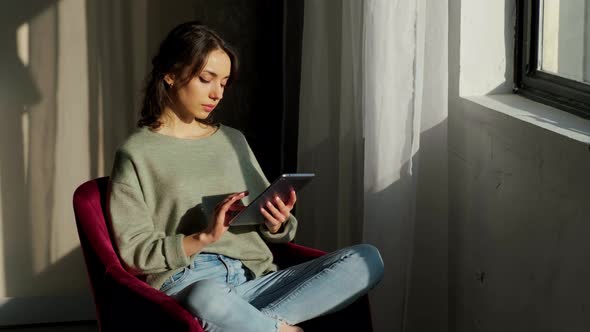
283	236
175	256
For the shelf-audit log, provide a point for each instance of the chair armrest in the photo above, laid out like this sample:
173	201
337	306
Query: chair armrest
288	254
130	304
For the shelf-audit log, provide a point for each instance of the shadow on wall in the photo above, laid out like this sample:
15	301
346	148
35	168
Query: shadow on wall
35	101
410	228
48	130
19	91
24	310
37	156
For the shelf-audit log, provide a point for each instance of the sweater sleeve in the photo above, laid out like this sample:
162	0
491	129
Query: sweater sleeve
289	227
141	247
284	235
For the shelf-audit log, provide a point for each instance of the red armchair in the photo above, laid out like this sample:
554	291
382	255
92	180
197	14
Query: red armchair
126	303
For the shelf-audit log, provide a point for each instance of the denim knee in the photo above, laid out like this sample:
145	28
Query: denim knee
207	299
373	261
219	309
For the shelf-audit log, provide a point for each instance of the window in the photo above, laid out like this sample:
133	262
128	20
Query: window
552	53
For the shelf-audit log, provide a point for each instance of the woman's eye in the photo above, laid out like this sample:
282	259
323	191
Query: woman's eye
203	80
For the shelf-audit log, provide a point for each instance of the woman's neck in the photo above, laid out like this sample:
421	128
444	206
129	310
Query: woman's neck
185	127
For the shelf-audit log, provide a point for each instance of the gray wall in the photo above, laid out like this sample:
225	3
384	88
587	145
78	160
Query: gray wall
518	225
518	207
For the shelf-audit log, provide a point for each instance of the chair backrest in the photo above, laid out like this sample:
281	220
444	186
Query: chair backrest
90	210
123	302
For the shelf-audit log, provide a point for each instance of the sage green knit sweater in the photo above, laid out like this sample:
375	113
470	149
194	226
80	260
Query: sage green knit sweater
163	188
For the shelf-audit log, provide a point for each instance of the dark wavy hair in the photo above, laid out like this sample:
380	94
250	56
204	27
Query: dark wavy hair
183	54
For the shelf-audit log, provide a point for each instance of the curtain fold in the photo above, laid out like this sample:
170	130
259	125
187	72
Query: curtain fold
330	125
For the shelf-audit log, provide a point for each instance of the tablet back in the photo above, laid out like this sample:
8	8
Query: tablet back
281	187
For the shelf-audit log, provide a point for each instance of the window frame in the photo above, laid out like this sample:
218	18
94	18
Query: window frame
566	94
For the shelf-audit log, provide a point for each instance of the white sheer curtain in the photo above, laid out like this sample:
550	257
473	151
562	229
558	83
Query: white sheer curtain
373	128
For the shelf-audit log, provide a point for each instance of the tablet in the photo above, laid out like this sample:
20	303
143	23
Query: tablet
281	187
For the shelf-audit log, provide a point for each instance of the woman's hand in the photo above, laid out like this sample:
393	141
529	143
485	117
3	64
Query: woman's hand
223	214
279	212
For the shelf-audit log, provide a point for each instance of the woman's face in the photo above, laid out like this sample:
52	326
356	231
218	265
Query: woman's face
204	91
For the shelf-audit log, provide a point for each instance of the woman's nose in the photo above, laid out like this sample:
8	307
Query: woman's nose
216	92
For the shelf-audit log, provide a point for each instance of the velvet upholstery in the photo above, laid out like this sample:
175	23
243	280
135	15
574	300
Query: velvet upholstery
125	302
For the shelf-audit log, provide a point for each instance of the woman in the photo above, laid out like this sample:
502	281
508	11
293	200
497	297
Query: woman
176	180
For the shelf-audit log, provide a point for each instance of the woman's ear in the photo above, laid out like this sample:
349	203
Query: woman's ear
169	79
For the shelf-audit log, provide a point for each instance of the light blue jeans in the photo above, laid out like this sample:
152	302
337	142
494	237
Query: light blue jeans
224	296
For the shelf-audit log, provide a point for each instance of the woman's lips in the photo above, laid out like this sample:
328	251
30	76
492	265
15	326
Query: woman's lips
208	108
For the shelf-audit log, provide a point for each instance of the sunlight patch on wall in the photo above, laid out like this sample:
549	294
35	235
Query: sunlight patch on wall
484	18
72	151
25	130
22	43
22	47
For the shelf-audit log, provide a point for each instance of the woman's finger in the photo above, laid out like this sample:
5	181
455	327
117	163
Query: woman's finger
276	213
269	218
282	207
237	206
292	199
231	197
224	207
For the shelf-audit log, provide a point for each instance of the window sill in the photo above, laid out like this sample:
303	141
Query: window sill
537	114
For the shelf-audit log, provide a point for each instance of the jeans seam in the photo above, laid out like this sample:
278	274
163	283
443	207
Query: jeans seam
228	268
174	282
279	319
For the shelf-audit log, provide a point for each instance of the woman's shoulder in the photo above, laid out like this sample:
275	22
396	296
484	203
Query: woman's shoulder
230	131
135	141
234	135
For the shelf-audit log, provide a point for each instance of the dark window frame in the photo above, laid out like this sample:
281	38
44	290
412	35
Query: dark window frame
566	94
